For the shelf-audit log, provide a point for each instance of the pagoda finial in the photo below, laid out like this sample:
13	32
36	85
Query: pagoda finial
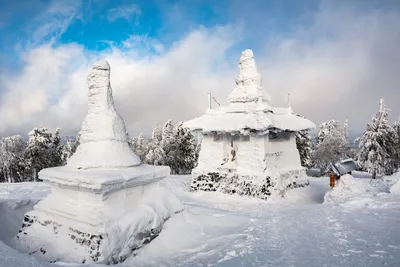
248	82
103	140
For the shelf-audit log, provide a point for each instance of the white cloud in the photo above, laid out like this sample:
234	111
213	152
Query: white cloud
53	21
51	89
336	75
125	12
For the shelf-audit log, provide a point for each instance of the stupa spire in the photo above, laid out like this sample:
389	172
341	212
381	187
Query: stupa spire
248	82
103	139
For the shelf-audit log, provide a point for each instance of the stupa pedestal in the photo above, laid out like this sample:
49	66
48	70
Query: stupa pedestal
104	203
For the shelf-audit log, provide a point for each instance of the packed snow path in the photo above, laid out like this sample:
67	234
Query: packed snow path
221	230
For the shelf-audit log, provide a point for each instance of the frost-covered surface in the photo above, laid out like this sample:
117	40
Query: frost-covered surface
222	121
346	187
248	82
225	230
104	180
253	166
395	189
103	139
85	227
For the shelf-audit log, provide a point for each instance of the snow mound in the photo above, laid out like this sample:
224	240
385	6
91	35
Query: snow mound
395	189
346	187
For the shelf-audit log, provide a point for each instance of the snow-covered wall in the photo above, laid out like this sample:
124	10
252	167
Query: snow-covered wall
211	152
251	153
282	152
254	153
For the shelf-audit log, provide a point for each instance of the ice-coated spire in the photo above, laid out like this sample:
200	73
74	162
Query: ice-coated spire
248	82
103	139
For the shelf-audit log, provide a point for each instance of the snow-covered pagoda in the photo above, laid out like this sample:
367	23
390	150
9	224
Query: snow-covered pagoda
104	203
249	147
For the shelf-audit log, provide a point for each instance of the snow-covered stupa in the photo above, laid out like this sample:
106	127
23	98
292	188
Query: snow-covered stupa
104	203
249	147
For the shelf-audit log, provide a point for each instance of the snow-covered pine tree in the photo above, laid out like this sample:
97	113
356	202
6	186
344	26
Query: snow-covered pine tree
332	145
303	143
168	143
141	147
198	148
326	129
346	129
41	151
156	154
377	144
185	151
12	162
57	150
396	129
69	148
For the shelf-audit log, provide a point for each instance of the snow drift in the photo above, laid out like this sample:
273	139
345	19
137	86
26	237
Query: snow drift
346	187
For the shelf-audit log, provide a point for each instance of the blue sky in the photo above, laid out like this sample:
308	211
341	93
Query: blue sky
95	23
312	49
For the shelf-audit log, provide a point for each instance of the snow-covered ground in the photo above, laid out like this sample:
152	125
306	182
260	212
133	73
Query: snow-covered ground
362	229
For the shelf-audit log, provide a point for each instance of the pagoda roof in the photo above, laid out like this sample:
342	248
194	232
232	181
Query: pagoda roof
220	120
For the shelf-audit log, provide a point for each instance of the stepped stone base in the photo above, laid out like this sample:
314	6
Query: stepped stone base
98	221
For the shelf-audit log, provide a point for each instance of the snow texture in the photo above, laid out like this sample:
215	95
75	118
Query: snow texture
222	120
248	81
216	229
95	228
255	166
395	189
345	187
103	138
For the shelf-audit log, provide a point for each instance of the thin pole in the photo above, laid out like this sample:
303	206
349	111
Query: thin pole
209	100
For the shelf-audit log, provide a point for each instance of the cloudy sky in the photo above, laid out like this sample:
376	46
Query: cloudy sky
335	58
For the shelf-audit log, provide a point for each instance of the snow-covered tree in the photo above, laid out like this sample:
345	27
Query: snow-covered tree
377	144
345	129
396	158
155	153
141	147
303	143
168	143
185	151
198	148
304	146
43	150
69	148
332	145
57	150
12	162
327	129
